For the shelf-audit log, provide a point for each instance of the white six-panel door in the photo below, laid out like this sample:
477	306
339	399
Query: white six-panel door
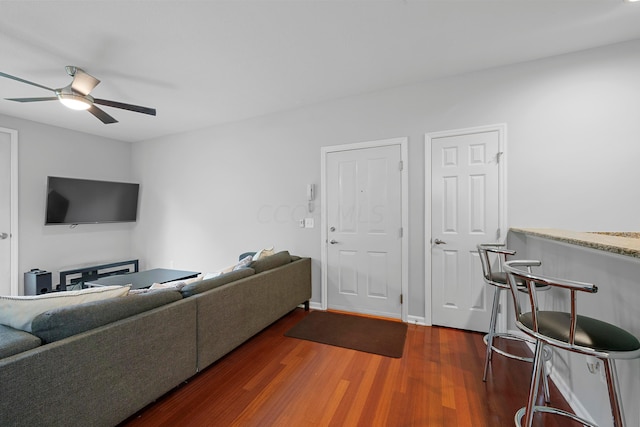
364	230
465	211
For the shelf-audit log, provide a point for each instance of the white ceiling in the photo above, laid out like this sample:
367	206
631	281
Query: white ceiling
202	63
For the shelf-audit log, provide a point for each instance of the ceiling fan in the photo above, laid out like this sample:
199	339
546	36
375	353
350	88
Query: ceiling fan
76	95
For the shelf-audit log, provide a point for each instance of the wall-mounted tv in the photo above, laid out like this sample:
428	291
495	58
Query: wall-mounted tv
85	201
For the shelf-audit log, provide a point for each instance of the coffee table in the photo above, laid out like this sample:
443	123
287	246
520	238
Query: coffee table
144	279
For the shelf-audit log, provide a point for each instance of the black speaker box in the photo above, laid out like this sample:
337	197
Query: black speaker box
37	282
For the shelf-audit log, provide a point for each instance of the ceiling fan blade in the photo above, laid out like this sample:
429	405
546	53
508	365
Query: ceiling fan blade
83	82
18	79
48	98
136	108
104	117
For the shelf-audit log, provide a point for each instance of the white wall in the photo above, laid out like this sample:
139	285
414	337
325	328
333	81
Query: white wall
572	148
50	151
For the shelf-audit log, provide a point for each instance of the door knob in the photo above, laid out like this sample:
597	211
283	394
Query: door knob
3	236
439	242
333	242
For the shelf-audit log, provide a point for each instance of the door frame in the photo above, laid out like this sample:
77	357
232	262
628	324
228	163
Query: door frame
324	247
501	128
13	226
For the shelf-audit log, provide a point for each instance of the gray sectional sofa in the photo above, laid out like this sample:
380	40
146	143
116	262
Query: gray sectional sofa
97	363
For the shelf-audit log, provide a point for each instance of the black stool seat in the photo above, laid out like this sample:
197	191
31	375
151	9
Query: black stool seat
500	278
590	333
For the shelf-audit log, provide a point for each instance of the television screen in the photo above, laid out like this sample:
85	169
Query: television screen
85	201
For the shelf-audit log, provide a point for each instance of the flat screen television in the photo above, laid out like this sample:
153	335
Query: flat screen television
84	201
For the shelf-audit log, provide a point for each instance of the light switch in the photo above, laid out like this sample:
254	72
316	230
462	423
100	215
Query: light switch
308	223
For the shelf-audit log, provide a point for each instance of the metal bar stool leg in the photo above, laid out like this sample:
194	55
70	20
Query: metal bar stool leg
545	381
613	388
492	331
538	361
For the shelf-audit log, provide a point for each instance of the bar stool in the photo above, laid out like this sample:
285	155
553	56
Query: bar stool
571	332
498	279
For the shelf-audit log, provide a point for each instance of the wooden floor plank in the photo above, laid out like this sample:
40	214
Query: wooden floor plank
273	380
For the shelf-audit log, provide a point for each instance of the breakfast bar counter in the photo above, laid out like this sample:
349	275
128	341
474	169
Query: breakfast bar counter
623	243
611	261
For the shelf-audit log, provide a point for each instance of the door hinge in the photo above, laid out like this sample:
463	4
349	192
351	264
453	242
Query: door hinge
499	156
498	234
401	168
401	232
401	299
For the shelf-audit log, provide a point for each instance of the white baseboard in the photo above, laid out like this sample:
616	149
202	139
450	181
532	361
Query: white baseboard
315	305
416	320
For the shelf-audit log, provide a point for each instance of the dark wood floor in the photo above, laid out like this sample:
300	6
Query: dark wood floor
273	380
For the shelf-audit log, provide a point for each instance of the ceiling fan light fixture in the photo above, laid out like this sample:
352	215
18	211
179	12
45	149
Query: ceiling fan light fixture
73	101
76	96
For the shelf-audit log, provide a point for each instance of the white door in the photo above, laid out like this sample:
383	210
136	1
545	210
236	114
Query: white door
364	230
5	213
465	211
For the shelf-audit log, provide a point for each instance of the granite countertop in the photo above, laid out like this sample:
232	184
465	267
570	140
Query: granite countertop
623	242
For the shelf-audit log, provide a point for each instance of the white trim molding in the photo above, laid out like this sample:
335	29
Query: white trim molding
13	227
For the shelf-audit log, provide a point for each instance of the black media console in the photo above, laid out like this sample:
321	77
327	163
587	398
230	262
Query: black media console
79	276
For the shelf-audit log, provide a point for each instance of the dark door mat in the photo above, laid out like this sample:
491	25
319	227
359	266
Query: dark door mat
377	336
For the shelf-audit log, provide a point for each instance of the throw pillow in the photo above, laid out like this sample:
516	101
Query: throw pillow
223	279
211	275
264	253
19	311
244	262
177	284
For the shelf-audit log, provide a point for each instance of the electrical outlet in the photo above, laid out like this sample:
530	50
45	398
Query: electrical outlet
594	365
301	223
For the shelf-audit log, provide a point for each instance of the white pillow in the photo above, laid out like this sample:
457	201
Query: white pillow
176	284
212	275
262	253
198	278
19	311
244	262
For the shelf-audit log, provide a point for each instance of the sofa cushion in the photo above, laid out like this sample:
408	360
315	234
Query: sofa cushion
273	261
19	311
64	322
208	284
14	341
